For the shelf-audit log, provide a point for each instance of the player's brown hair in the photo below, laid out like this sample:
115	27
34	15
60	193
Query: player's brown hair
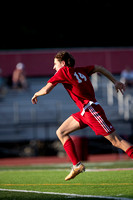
67	57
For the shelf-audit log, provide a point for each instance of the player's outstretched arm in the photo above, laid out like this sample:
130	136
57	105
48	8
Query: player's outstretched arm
45	90
118	85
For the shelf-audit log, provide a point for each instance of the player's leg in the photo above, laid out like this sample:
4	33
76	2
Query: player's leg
68	126
101	126
118	142
63	132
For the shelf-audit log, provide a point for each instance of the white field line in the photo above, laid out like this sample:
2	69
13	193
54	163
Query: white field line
86	170
65	194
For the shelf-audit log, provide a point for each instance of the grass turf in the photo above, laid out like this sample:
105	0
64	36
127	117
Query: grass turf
105	183
29	196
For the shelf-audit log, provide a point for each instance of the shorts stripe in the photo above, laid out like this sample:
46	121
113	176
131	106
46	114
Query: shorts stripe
99	119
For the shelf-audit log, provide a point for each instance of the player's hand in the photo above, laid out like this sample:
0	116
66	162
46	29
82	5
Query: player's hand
34	99
119	86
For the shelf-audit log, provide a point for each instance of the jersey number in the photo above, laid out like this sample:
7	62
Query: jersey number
80	77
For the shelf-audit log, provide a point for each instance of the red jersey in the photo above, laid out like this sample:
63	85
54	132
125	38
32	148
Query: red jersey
77	83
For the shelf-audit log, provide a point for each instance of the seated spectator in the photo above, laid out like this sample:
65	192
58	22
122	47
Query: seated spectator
127	77
19	78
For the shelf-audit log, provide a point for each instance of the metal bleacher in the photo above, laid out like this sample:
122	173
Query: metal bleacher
21	120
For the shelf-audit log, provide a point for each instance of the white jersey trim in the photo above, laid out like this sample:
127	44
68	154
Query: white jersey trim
87	106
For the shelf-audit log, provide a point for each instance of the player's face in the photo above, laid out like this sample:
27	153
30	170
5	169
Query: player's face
58	65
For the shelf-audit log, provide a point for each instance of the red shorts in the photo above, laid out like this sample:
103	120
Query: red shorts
95	117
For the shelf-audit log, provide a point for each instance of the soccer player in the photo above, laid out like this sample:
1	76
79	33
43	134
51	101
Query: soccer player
77	83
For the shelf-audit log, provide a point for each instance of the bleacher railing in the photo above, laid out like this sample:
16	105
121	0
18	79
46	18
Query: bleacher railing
125	102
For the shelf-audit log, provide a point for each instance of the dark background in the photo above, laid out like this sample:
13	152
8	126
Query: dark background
55	24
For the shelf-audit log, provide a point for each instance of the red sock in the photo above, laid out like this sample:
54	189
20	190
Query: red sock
129	152
71	152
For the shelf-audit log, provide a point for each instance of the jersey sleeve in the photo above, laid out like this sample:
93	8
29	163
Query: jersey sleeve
57	78
89	69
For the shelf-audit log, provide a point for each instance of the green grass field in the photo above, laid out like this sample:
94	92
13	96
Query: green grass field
49	182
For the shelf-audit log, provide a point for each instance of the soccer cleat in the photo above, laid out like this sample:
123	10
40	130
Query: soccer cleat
75	171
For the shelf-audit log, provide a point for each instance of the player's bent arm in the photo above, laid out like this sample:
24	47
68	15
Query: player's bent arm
45	90
105	72
118	85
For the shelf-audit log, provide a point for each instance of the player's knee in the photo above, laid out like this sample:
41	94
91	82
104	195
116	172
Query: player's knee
59	133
